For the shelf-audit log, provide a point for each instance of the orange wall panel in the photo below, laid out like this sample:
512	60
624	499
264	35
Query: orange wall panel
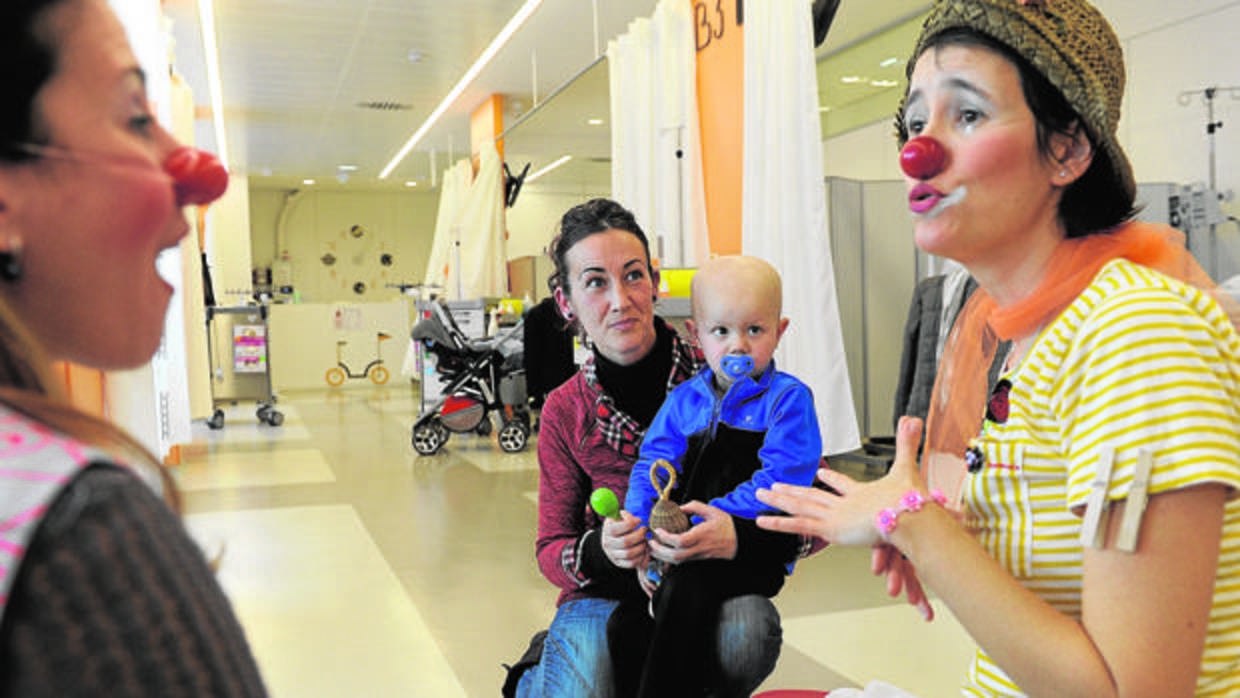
486	123
719	36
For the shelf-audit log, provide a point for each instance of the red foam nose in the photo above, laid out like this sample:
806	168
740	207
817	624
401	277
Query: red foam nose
198	176
922	158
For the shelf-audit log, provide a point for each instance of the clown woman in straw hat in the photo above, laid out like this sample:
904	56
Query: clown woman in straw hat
1078	517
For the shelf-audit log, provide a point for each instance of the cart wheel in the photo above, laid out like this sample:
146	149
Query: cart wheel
216	421
275	418
513	437
427	439
335	377
484	427
379	375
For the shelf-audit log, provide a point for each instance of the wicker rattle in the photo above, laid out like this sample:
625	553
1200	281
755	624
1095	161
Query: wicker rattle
666	514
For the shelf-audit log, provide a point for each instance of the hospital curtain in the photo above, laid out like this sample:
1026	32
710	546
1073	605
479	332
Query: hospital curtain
456	181
785	207
656	150
152	402
469	231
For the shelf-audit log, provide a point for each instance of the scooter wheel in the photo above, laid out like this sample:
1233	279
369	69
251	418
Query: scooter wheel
379	375
335	377
216	421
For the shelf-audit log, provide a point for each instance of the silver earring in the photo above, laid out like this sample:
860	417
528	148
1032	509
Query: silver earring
11	261
1063	174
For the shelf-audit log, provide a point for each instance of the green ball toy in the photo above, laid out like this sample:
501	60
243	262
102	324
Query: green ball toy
604	502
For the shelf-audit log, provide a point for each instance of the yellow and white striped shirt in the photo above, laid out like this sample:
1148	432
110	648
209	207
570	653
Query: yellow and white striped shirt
1137	361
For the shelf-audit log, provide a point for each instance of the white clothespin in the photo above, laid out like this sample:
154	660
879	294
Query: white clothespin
1096	504
1138	496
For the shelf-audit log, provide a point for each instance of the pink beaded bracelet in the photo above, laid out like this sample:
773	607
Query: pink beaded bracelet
912	500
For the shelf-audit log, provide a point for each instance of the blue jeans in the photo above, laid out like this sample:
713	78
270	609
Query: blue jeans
576	664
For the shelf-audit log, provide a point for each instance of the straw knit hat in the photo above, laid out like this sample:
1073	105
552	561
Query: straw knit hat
1068	41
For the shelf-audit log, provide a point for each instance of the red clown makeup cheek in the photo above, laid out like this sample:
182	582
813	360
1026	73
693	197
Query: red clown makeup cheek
198	176
922	158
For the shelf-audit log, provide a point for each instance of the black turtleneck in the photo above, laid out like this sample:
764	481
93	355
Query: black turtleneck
639	388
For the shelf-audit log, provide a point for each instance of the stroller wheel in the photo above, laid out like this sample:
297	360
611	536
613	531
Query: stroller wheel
484	427
428	438
513	437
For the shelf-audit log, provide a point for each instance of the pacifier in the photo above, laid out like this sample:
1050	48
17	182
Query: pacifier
198	176
922	158
737	365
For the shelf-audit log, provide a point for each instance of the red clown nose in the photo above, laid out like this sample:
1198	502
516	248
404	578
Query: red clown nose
922	158
198	176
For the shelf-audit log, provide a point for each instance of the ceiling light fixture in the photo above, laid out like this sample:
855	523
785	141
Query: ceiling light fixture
850	79
497	43
883	83
206	18
307	182
594	122
888	62
548	168
411	183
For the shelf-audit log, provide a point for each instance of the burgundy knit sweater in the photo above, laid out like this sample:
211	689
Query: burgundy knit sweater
575	458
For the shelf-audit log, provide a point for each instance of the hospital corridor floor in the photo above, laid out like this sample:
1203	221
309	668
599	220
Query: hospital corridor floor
360	568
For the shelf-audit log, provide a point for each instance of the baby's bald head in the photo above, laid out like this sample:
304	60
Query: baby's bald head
732	278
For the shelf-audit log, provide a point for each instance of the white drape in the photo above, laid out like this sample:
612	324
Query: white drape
152	402
654	117
483	267
452	196
784	216
468	255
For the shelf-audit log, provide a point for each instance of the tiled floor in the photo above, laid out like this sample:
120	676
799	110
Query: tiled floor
360	568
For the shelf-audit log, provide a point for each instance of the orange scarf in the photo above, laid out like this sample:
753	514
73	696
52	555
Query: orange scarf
958	401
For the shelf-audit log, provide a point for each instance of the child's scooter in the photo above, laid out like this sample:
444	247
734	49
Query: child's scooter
374	370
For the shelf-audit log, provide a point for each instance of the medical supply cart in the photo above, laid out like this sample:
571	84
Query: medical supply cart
239	355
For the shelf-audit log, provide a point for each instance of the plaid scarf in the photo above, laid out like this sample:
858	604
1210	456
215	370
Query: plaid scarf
620	431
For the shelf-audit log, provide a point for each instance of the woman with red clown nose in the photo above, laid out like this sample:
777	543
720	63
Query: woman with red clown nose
102	591
1079	517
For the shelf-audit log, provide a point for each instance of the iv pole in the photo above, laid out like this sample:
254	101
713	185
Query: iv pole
1212	126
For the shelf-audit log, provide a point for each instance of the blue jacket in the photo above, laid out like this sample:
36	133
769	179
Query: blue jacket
724	449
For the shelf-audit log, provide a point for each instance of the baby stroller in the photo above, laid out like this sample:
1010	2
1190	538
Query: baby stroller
478	377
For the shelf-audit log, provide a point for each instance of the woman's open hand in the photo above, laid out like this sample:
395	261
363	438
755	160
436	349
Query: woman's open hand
624	541
845	514
714	538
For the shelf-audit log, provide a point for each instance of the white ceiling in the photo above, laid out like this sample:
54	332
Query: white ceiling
295	72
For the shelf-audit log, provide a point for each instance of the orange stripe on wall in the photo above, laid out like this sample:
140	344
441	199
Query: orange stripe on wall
485	123
83	386
718	31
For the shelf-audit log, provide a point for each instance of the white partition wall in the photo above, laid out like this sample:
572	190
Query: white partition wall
876	274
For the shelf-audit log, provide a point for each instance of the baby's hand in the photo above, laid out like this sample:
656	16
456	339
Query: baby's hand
713	538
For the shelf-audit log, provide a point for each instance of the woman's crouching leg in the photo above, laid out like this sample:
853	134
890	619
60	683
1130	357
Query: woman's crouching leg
749	641
575	662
